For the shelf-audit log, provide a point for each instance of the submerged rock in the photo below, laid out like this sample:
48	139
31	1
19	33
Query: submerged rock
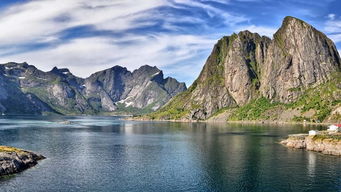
13	160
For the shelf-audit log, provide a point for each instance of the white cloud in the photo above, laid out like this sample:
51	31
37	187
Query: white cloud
335	37
87	55
38	20
43	21
262	30
229	18
331	16
333	28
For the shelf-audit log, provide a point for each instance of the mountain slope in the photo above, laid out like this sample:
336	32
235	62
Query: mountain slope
33	91
121	89
245	69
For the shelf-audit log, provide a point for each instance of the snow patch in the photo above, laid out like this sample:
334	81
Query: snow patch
156	73
126	102
129	104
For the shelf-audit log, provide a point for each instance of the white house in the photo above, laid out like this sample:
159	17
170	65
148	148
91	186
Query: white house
334	128
313	132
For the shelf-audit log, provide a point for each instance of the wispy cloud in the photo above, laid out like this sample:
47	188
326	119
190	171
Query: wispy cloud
175	35
121	32
333	27
84	55
262	30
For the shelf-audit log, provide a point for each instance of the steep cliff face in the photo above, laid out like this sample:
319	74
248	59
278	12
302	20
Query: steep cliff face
231	74
144	87
245	67
26	90
230	77
299	57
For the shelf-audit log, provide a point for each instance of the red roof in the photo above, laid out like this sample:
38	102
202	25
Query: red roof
339	125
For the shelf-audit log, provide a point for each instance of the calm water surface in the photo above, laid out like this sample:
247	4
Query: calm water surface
109	154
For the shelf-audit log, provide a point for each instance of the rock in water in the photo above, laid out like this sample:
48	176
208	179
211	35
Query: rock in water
326	143
13	160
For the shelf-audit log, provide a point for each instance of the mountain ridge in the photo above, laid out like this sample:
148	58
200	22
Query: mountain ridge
247	68
106	91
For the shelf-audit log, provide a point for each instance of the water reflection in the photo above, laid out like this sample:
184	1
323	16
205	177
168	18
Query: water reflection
108	154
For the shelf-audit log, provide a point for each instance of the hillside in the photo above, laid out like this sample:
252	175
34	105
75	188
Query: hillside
24	89
292	77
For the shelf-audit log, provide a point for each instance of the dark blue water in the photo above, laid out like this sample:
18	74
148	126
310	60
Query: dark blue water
108	154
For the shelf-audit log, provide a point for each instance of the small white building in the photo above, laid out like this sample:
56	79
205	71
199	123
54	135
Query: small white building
313	132
334	128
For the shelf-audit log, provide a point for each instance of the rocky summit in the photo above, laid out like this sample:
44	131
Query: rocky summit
24	89
294	76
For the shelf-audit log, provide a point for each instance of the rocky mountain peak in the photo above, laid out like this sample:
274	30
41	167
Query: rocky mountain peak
299	57
59	91
118	68
23	65
245	66
57	70
289	20
146	71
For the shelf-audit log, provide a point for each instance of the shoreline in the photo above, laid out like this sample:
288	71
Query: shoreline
14	160
326	143
256	122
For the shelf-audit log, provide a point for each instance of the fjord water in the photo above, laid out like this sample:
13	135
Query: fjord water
110	154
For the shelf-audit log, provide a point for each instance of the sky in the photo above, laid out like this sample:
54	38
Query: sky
177	36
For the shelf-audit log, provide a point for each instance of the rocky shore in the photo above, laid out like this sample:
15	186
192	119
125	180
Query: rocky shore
325	143
13	160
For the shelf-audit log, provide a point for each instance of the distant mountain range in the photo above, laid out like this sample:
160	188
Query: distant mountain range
293	77
24	89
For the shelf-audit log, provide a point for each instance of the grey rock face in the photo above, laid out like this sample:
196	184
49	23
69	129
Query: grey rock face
299	57
144	87
15	162
245	66
59	91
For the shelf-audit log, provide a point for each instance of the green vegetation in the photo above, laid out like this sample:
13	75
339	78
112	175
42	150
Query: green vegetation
175	109
7	149
220	111
336	137
123	109
254	110
321	99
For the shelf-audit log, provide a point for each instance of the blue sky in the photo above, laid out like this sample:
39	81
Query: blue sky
175	35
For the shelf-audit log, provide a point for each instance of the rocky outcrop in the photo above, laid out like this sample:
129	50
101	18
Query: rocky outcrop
326	144
59	91
299	57
245	67
14	160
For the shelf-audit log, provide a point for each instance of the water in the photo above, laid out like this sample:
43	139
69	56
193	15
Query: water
109	154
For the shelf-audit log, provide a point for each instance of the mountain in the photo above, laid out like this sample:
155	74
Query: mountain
294	76
24	89
117	88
